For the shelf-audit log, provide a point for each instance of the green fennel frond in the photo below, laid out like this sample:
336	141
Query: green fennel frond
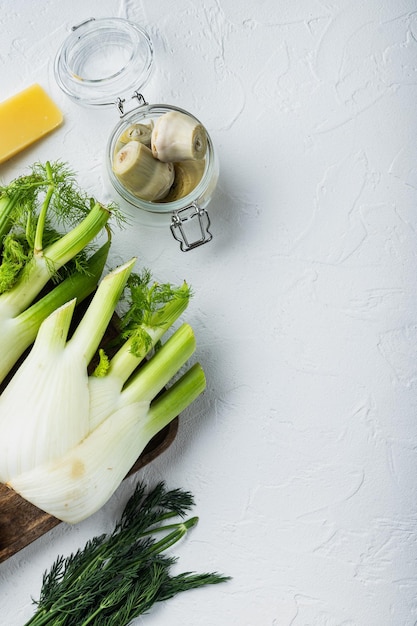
68	203
146	298
15	254
103	364
36	210
149	306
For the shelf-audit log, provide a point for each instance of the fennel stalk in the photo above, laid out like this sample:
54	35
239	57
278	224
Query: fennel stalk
35	254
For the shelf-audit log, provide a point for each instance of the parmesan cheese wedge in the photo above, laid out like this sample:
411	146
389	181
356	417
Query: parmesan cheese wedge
25	118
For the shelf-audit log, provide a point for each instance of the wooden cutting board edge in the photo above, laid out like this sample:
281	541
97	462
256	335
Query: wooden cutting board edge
21	523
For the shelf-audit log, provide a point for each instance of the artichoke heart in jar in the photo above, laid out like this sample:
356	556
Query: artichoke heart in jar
160	159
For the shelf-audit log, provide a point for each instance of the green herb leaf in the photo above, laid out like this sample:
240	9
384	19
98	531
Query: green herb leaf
120	576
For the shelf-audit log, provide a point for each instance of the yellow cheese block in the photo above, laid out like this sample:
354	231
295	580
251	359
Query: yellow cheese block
25	118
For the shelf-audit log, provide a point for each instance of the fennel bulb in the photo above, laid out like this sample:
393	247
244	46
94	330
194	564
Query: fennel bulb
70	437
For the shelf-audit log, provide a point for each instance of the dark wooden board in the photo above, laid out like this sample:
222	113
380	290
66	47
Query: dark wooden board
21	522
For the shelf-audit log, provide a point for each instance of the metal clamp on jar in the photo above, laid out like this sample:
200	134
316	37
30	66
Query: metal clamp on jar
160	159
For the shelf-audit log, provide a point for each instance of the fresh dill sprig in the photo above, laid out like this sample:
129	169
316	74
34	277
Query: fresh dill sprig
120	576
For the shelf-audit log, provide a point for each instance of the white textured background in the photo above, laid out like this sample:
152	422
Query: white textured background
302	452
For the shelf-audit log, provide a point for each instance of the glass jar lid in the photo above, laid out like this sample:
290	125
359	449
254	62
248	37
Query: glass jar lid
103	60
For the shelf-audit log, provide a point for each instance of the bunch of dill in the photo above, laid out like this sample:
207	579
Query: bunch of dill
120	576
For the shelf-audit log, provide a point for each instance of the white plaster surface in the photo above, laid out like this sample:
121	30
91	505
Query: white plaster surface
302	453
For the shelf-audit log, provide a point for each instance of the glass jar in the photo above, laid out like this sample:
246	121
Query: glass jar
106	62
